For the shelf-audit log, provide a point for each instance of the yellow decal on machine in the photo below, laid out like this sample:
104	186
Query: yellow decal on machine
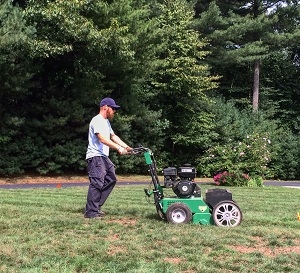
202	208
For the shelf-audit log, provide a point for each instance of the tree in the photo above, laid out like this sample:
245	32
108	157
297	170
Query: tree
181	80
82	51
14	64
16	70
247	32
90	54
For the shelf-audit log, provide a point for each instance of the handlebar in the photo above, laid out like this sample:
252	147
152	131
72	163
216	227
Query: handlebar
139	150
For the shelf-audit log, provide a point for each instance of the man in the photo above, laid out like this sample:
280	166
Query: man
101	170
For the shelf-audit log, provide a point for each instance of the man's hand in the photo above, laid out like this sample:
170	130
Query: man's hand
122	151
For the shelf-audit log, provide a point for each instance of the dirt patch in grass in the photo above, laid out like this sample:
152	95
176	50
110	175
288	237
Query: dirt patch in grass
124	222
173	260
113	250
30	179
33	179
262	247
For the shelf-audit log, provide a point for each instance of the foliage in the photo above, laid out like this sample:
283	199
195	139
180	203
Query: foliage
182	80
286	149
240	161
80	59
233	126
244	33
16	69
282	77
160	61
83	51
237	178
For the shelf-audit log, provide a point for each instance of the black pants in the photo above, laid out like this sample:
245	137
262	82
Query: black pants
101	172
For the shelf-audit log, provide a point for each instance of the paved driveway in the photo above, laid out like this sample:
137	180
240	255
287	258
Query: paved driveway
289	184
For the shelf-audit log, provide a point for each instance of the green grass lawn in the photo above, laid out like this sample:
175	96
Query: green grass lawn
43	230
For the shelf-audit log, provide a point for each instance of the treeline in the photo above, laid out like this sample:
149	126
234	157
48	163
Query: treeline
196	81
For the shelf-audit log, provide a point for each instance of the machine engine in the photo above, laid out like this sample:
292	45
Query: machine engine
181	181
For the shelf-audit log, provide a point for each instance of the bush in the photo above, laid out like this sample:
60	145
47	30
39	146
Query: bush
236	178
286	150
241	163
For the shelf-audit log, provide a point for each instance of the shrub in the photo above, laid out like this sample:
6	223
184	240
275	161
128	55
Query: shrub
237	179
286	150
241	163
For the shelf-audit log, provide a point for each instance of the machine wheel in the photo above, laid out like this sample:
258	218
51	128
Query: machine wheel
227	213
178	213
160	212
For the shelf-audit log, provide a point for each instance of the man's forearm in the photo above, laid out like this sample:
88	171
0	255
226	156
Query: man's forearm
120	142
110	143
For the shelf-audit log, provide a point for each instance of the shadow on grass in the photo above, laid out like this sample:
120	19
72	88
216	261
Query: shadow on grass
154	217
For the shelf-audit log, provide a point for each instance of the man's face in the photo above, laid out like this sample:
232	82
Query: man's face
110	112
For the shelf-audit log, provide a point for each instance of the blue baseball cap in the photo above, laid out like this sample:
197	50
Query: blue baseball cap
109	102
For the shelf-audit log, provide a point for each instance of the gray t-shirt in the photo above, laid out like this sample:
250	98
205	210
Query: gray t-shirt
102	126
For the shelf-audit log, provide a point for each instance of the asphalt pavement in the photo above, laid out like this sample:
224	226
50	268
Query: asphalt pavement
290	184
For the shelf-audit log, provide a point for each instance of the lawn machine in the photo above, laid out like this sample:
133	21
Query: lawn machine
188	205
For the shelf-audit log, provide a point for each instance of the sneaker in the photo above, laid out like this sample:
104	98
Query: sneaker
101	213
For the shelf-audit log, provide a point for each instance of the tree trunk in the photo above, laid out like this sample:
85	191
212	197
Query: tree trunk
255	94
255	86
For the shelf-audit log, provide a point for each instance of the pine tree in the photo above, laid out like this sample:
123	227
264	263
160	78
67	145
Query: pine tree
182	79
247	32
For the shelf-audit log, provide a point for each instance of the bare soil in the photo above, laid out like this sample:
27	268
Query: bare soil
262	247
31	179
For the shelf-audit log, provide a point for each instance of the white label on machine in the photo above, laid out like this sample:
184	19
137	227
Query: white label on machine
202	208
186	170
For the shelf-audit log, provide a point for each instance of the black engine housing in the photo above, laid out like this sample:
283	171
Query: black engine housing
181	181
184	188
